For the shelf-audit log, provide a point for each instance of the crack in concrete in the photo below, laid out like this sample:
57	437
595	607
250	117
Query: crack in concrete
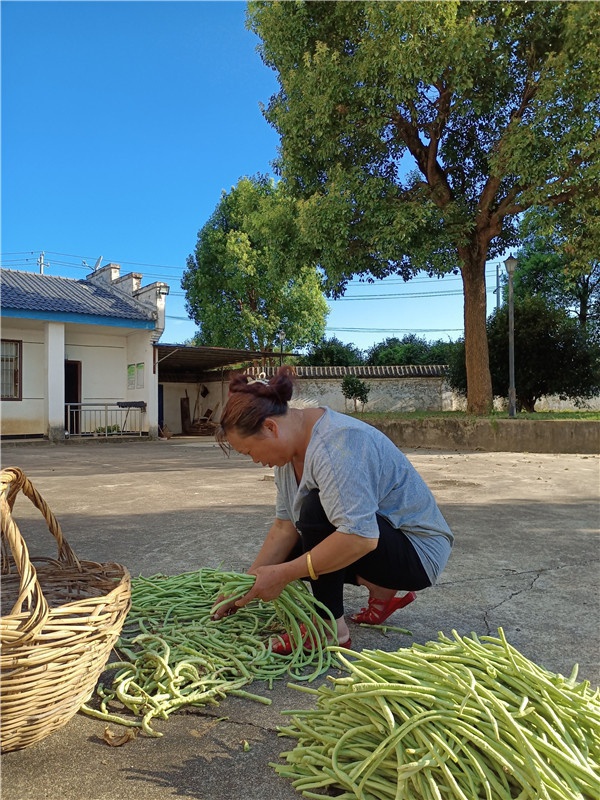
212	720
511	595
507	572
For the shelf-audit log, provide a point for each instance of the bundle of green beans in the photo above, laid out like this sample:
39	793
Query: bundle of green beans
461	719
174	654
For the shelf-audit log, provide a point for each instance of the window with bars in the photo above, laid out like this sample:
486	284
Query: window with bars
10	368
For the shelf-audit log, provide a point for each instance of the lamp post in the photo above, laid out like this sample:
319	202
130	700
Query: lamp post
511	264
281	335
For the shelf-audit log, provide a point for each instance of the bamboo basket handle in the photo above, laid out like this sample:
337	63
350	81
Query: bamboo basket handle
31	598
15	481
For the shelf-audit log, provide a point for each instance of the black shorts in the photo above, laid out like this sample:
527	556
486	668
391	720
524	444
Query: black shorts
394	564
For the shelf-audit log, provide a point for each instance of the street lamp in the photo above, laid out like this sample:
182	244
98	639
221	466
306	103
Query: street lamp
281	335
511	264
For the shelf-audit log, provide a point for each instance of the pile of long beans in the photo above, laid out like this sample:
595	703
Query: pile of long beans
461	719
173	654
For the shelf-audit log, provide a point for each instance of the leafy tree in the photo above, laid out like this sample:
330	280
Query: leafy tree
496	104
552	355
411	349
442	352
559	262
332	353
355	389
244	283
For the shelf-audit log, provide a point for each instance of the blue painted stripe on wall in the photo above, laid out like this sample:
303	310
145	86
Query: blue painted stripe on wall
83	319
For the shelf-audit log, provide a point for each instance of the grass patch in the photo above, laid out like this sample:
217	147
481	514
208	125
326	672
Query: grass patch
539	416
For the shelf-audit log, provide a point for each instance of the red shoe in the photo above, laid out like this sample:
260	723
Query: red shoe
379	610
283	646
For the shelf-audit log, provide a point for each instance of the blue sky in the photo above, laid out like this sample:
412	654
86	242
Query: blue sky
122	122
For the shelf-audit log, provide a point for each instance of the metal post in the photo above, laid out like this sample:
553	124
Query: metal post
512	393
511	264
281	335
497	285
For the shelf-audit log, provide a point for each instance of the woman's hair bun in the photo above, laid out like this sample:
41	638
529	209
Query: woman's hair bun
250	401
282	385
279	388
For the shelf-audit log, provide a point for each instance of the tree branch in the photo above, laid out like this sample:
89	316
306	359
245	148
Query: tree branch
529	92
426	158
493	182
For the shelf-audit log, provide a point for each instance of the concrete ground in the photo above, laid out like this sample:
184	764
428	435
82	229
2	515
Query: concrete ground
526	558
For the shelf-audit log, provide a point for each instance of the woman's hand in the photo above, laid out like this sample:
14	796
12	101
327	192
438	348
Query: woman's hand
225	610
270	581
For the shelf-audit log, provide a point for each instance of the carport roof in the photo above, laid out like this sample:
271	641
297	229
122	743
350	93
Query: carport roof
185	361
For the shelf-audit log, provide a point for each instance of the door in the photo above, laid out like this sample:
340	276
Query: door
72	395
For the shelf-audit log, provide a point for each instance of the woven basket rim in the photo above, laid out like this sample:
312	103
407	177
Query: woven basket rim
52	656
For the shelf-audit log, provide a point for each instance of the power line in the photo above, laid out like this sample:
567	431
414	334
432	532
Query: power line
491	272
364	330
491	266
406	296
120	261
396	330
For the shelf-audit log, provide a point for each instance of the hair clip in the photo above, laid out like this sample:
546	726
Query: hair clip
261	379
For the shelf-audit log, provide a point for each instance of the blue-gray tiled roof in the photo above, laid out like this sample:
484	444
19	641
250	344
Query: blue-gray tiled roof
29	291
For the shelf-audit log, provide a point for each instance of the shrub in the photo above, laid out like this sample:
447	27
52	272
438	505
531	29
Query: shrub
355	389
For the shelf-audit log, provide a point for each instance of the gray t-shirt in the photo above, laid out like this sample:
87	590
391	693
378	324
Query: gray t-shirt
360	474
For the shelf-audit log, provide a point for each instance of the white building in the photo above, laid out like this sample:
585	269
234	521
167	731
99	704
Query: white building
77	356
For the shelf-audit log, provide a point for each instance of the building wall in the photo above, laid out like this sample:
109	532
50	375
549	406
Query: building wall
403	394
385	394
27	416
174	392
395	394
554	403
105	359
103	364
139	352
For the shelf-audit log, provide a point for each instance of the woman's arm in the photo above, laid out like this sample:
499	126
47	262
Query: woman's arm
338	550
278	544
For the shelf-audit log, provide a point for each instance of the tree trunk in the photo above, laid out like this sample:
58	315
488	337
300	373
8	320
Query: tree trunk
528	403
479	380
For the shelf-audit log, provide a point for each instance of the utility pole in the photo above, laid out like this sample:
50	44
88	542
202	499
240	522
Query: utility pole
41	263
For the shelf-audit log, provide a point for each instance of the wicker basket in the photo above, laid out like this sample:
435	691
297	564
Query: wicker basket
65	615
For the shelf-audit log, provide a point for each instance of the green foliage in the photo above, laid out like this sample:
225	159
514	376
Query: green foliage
108	429
411	349
390	352
494	106
245	281
559	261
355	389
331	353
553	355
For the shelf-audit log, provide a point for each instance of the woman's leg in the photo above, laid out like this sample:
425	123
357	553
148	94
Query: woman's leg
313	527
394	564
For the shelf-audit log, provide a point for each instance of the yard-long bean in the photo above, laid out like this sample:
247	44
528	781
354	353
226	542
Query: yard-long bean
173	653
457	719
